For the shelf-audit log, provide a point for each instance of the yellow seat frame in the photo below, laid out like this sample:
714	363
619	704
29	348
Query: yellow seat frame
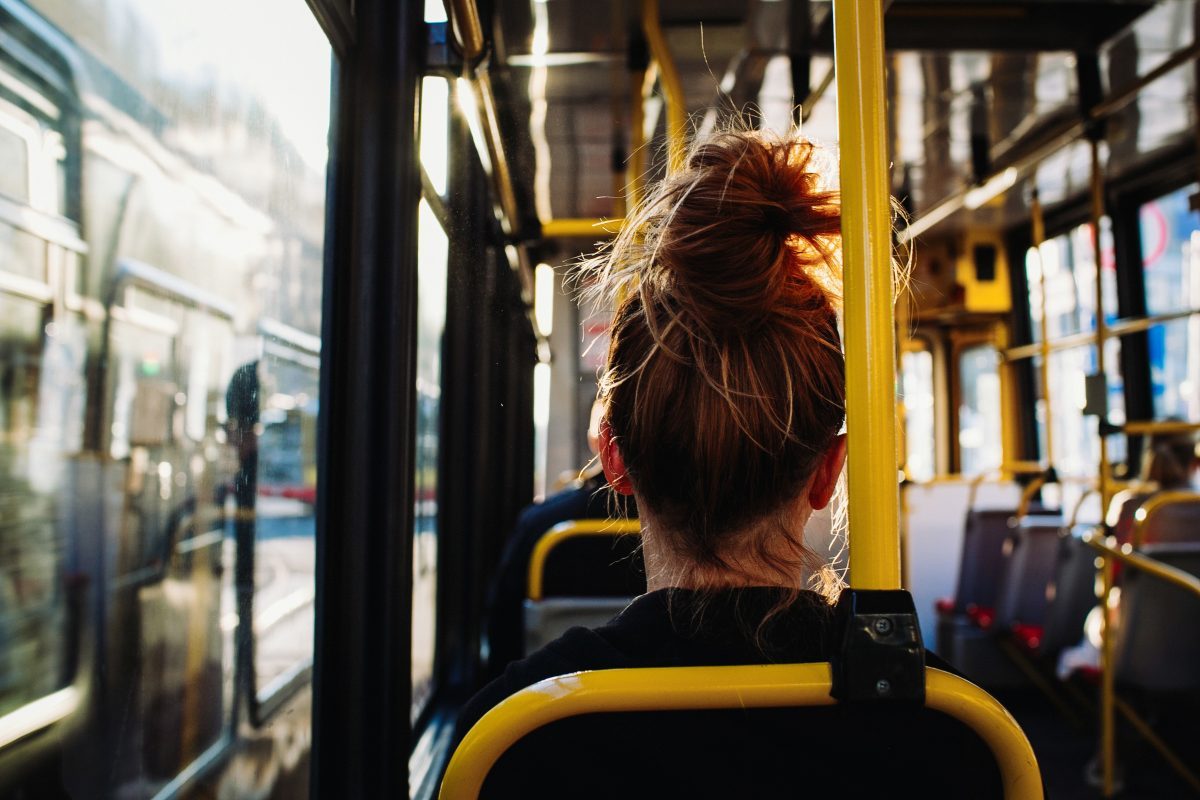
683	688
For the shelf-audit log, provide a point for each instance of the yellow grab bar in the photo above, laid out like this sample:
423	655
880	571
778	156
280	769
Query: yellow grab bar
683	688
569	228
569	530
870	296
1154	504
1111	553
676	101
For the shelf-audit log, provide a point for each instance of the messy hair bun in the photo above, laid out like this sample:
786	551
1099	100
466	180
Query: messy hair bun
725	380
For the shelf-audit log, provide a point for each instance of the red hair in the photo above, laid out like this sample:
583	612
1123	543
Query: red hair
725	381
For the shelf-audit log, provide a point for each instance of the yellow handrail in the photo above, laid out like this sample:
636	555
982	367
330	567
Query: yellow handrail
1101	322
676	101
1126	554
569	228
569	530
1111	553
758	686
870	296
1027	494
1141	427
1154	504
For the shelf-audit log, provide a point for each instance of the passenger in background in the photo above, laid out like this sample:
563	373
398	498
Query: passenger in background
1168	465
588	498
725	387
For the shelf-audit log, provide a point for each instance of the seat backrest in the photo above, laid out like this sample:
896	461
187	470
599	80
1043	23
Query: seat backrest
1175	522
1026	573
980	568
1072	592
596	565
738	732
1158	645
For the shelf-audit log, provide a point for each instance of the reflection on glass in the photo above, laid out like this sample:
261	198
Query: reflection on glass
916	376
158	378
979	435
1170	233
432	254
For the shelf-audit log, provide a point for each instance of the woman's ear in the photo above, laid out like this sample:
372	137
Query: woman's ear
613	463
825	476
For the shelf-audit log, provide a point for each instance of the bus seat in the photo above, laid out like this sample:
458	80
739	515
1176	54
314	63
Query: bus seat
1071	595
984	533
582	572
1027	571
979	571
1158	648
1174	522
743	731
963	636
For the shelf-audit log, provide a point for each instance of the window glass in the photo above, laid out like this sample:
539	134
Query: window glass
1170	233
916	388
22	253
979	438
14	155
170	401
1069	264
432	252
1076	437
33	602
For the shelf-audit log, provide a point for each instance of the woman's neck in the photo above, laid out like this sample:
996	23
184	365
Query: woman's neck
666	568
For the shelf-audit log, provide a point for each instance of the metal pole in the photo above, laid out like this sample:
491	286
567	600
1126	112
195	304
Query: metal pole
1039	237
869	320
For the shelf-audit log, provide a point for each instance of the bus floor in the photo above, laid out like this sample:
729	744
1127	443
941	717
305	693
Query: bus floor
1066	750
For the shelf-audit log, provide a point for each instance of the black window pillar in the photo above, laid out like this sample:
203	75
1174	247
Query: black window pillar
361	682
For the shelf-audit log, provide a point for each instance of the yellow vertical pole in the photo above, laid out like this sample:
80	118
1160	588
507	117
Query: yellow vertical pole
676	102
1108	744
1101	325
869	319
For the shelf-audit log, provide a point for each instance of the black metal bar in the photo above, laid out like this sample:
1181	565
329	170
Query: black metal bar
1016	243
361	681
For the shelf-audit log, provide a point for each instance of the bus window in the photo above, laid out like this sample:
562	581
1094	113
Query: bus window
979	438
916	387
1076	437
1170	233
432	255
1070	277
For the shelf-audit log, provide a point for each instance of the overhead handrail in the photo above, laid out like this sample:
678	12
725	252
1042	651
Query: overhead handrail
738	687
1051	143
570	530
1152	506
1111	553
1143	427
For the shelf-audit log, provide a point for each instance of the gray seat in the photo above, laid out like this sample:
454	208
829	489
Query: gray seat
1158	649
1072	592
1027	572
